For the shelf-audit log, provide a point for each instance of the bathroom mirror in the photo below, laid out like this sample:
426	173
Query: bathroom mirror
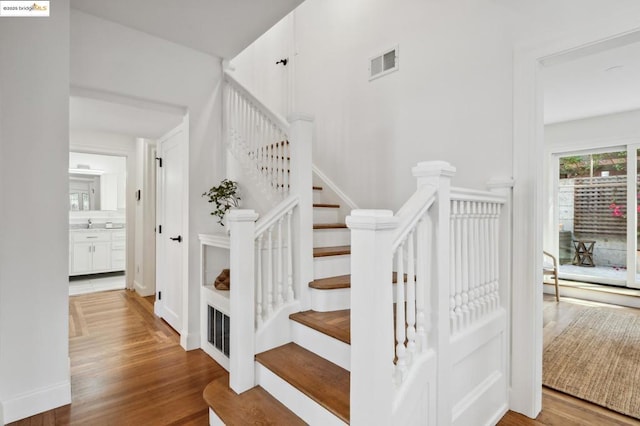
96	182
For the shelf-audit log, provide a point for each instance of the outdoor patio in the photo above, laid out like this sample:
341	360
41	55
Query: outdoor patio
614	275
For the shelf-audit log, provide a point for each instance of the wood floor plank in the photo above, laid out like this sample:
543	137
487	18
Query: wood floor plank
319	379
127	367
559	408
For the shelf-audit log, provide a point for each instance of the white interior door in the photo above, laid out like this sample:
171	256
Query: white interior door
171	243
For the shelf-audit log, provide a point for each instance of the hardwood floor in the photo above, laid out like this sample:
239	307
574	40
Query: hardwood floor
559	408
127	367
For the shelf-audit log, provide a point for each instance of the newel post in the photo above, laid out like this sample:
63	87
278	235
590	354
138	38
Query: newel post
300	148
242	299
372	349
439	174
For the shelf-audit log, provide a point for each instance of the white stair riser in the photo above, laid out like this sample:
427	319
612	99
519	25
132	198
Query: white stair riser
303	406
318	197
322	345
326	215
331	237
330	300
331	266
214	420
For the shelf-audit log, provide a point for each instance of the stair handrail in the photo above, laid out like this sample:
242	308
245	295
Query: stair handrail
272	115
379	240
276	213
469	194
412	211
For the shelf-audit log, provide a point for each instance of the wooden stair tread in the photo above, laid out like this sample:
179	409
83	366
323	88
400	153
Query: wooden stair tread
329	225
325	205
255	406
317	188
331	283
336	324
341	281
331	251
319	379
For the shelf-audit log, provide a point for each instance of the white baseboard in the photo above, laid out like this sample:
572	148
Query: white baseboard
37	401
142	289
190	341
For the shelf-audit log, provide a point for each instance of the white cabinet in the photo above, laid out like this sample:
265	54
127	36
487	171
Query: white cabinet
96	251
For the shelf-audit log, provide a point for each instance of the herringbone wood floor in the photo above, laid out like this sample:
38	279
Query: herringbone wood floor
127	367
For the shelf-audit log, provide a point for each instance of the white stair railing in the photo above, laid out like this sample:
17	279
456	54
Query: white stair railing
258	138
271	260
274	260
411	261
443	246
474	289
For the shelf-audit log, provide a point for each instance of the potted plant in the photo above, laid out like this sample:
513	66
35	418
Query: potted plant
224	196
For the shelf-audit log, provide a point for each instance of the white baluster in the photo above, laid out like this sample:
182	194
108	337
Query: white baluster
411	297
401	363
496	253
259	313
459	267
486	259
280	299
452	267
281	167
290	294
473	291
466	242
422	269
270	273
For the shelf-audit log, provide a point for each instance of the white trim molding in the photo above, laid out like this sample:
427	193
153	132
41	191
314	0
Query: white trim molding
528	202
37	401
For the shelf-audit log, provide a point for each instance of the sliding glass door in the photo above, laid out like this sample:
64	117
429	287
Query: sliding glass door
596	208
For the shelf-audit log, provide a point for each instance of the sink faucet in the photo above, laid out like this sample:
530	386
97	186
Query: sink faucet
90	224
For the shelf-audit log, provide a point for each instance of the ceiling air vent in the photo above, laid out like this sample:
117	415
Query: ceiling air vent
383	63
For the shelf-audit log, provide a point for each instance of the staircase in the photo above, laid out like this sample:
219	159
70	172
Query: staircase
310	374
385	319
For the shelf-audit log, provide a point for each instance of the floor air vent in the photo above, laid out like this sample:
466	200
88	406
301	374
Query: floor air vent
218	334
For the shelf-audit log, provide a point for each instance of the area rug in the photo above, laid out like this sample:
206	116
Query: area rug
597	358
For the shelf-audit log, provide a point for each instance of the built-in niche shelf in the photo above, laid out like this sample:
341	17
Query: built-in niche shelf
214	309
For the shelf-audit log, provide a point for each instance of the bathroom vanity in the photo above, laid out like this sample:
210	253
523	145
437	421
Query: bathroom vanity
93	251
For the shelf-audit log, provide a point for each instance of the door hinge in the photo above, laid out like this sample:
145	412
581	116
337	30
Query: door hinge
159	295
159	159
159	229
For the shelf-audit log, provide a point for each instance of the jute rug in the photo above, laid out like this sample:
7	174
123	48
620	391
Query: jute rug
597	358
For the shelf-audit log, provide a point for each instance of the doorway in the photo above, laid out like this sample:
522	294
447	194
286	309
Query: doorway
596	206
97	222
172	287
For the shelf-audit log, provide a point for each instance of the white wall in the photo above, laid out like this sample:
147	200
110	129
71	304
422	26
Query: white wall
109	57
111	143
604	130
34	138
451	99
145	210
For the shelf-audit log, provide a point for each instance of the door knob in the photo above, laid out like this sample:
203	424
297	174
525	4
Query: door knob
178	238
